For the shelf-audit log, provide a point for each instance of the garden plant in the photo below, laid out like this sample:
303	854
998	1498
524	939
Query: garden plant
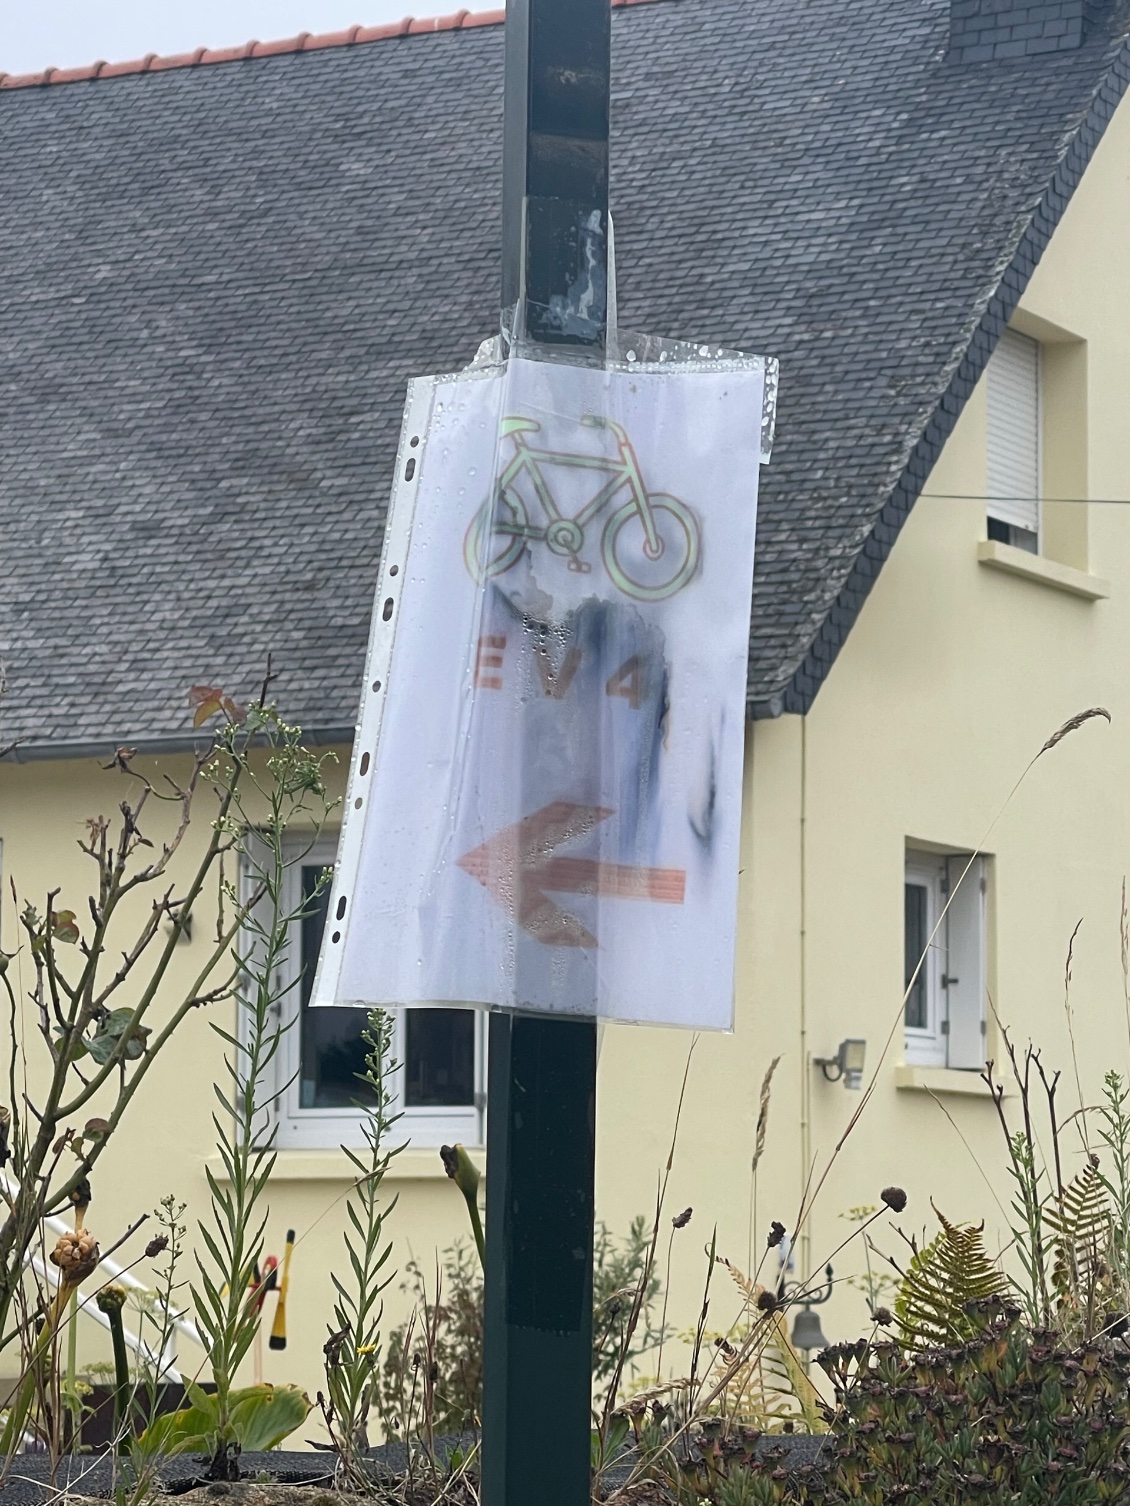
998	1377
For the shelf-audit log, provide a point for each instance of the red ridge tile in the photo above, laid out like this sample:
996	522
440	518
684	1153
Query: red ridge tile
138	65
438	23
288	44
75	75
384	33
180	60
330	39
22	80
462	20
227	54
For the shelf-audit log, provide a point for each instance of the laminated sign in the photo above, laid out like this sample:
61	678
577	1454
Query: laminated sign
545	797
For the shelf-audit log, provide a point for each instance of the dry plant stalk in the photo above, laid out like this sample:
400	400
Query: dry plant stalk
639	1296
93	1016
92	1046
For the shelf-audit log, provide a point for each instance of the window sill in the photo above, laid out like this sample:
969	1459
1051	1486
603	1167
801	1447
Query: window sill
1046	572
942	1080
411	1165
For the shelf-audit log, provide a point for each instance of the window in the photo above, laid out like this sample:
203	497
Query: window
945	1009
441	1051
1014	441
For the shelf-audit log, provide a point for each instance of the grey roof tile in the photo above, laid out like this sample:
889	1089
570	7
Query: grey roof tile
218	279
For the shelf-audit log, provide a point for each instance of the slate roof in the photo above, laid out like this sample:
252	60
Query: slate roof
216	280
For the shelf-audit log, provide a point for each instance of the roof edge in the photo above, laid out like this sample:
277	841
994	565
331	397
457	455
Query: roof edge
798	694
351	36
172	742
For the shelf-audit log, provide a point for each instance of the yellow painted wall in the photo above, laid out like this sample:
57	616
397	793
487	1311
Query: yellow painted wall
953	676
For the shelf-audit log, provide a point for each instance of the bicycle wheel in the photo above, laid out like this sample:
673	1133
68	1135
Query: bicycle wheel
640	574
496	537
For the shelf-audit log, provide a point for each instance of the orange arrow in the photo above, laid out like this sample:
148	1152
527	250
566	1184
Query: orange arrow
517	866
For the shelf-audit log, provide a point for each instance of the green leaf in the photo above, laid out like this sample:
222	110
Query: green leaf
189	1430
110	1031
1080	1221
941	1281
64	928
262	1416
207	700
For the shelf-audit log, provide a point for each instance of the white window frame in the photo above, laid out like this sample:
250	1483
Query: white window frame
298	1128
926	1045
955	965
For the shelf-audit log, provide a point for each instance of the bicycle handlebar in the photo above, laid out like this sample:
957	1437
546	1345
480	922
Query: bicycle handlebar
598	421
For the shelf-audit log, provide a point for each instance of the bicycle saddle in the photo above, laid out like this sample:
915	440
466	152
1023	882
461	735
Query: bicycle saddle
519	426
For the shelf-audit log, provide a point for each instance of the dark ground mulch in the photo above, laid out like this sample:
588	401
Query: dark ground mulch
92	1476
294	1479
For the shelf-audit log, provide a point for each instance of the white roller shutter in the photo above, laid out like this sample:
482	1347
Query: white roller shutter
1014	431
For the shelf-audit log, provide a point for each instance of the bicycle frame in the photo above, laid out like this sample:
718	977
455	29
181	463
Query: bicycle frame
528	458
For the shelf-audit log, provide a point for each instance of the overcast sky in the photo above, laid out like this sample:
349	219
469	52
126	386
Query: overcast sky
37	34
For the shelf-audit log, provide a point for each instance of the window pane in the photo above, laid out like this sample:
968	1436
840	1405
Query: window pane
440	1048
916	933
332	1049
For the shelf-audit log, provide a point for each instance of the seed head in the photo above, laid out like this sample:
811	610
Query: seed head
156	1245
767	1302
76	1255
681	1220
111	1299
895	1198
460	1168
776	1234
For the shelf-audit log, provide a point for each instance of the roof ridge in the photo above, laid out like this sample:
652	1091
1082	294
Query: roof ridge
351	36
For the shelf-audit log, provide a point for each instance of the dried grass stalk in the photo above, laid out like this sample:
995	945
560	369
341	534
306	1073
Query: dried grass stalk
1072	725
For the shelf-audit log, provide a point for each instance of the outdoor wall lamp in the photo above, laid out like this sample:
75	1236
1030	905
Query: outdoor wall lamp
807	1333
848	1063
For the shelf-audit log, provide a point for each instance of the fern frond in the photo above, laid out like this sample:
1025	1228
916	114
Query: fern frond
766	1382
942	1279
749	1288
1080	1223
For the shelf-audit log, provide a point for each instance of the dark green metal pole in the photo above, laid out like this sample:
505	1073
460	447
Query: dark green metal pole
555	169
537	1380
541	1100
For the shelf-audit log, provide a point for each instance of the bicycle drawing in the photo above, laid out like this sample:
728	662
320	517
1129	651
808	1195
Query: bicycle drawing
651	543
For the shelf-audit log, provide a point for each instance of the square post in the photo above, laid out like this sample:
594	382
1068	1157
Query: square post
541	1100
537	1380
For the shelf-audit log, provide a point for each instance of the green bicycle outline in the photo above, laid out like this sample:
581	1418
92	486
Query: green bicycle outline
566	536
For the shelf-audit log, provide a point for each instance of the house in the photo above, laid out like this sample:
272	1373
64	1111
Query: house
218	272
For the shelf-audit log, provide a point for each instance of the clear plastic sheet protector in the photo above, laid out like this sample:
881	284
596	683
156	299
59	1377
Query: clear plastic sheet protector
545	794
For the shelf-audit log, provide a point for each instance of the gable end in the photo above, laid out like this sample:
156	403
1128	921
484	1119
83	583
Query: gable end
798	695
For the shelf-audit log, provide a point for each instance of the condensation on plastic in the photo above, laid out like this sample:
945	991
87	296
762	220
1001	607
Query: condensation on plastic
544	801
628	348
